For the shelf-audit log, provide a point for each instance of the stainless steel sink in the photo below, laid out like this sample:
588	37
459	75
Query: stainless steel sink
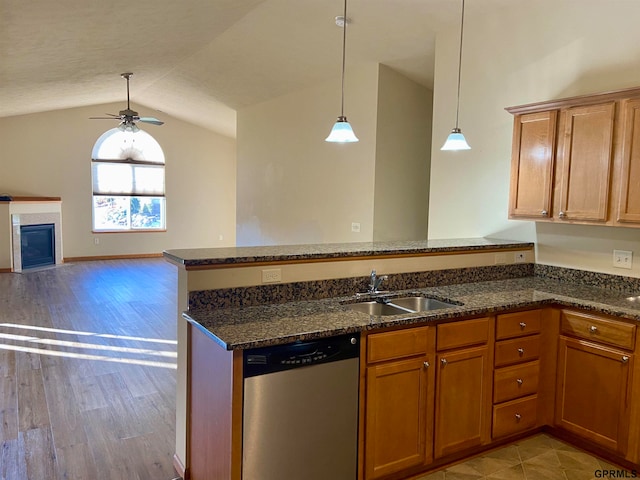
375	308
420	304
399	305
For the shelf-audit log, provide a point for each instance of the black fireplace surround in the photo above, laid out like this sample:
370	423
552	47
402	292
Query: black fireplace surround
37	245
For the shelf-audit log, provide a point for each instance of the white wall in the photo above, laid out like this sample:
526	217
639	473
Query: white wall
535	51
403	145
293	187
5	236
49	154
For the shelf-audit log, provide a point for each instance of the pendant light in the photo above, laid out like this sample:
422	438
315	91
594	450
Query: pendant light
456	140
342	131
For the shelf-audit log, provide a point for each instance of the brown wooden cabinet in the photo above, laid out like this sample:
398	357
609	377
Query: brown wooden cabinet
399	401
584	162
517	373
582	168
463	386
628	192
593	391
532	164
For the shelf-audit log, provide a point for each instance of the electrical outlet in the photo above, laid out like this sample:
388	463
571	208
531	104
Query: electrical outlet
272	275
96	241
519	257
500	259
355	227
622	259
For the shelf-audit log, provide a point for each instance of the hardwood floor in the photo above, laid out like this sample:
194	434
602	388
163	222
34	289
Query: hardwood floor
87	371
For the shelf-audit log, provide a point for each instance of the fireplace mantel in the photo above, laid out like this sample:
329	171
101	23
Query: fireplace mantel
26	210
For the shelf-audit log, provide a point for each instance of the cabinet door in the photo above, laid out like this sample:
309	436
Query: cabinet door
463	400
592	394
532	162
399	416
585	162
629	192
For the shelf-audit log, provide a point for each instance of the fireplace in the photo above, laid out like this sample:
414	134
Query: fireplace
37	245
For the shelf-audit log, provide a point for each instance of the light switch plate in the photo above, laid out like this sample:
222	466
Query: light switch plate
622	259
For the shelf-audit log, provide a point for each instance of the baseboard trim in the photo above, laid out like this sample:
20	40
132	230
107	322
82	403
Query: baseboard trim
112	257
5	270
179	467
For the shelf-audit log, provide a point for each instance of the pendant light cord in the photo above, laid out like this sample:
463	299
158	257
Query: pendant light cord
459	63
344	49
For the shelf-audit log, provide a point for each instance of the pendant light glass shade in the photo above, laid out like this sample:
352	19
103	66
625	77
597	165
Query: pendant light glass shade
456	140
342	131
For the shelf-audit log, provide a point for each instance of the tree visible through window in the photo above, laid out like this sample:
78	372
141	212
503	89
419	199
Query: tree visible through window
127	170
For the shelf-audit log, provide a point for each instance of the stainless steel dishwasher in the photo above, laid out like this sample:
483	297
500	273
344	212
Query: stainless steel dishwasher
300	417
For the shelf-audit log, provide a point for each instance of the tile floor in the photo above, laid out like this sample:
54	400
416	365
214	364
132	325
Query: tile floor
541	457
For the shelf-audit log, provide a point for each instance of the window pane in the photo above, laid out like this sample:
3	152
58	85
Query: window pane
112	178
148	180
147	212
111	213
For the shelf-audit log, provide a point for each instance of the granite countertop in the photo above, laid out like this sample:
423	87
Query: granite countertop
202	257
259	326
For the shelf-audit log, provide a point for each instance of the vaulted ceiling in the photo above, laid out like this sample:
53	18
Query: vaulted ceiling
200	60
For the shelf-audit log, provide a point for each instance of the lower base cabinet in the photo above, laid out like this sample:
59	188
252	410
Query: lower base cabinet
593	392
399	401
432	394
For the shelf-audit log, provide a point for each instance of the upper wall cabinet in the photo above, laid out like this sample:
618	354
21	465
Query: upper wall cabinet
532	162
628	193
577	160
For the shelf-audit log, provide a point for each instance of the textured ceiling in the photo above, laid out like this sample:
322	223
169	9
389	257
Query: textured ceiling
200	60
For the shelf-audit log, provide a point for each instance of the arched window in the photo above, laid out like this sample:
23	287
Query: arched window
127	171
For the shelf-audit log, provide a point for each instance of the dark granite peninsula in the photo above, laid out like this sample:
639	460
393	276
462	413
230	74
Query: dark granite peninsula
232	299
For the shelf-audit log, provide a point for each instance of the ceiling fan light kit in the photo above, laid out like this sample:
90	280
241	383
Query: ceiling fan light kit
342	131
128	117
456	140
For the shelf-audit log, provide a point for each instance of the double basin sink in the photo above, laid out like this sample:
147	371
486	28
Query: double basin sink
399	305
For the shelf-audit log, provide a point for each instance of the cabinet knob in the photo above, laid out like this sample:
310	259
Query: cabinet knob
523	325
518	417
521	351
562	215
624	359
544	213
426	364
519	381
353	340
593	329
443	361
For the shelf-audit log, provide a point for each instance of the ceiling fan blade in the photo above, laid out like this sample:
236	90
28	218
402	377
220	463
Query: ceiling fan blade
151	120
104	118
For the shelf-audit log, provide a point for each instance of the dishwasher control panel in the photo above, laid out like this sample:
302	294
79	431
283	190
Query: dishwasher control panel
259	361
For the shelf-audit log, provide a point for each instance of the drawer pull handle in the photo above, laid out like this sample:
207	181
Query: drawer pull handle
521	351
518	417
523	325
593	329
443	361
519	381
426	364
544	213
625	359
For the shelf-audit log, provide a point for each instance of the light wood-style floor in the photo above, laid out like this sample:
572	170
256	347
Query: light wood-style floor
87	371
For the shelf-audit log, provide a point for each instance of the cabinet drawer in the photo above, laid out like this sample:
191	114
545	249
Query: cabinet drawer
515	381
598	329
517	350
515	416
518	324
397	344
462	334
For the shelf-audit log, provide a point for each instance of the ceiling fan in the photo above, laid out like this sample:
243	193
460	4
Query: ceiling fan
128	117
